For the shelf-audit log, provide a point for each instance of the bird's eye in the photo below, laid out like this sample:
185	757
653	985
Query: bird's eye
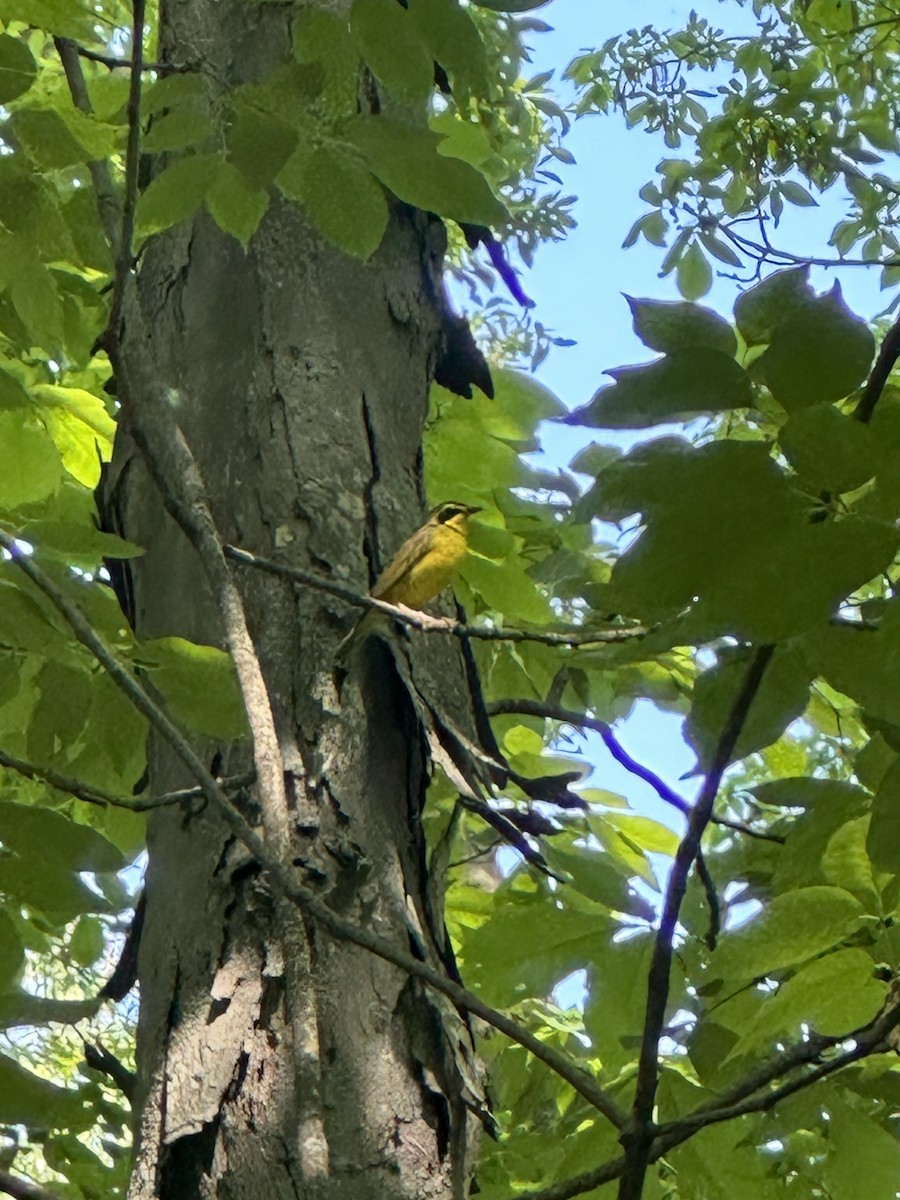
446	513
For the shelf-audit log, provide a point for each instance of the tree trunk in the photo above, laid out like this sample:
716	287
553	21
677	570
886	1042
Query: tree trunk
301	382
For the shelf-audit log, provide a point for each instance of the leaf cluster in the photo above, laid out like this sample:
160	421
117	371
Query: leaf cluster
762	120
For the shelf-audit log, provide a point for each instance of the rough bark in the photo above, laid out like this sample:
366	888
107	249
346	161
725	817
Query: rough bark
301	379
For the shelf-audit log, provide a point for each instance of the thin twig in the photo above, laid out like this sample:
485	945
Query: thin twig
172	465
100	1059
738	1101
772	254
884	364
24	1189
281	877
104	188
426	624
579	1184
94	795
640	1135
554	712
109	60
868	1040
712	899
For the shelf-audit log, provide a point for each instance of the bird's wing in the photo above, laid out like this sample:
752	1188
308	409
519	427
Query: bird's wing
411	552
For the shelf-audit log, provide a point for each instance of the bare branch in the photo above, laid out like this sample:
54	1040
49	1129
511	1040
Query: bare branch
104	188
172	464
766	252
639	1138
109	60
884	364
739	1100
554	712
426	624
24	1189
100	1059
578	1184
94	795
712	900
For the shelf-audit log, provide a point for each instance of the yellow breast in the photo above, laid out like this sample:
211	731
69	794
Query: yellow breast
431	572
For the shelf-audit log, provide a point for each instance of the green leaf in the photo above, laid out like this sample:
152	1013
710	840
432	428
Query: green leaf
176	193
81	428
60	17
615	1012
810	833
520	402
626	855
390	43
30	466
761	309
836	16
693	273
198	684
343	199
506	964
115	756
28	1100
796	194
846	863
59	895
60	713
834	995
781	698
720	250
727	538
677	387
407	161
453	40
33	831
32	289
818	354
12	953
174	130
12	393
235	204
259	144
324	38
595	877
791	929
88	941
513	6
46	138
862	663
883	838
595	458
807	792
860	1149
24	624
670	328
832	451
461	139
18	69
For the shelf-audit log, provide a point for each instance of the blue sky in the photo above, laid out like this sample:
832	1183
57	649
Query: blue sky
578	286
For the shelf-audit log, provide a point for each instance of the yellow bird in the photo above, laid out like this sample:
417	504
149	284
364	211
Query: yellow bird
424	565
428	561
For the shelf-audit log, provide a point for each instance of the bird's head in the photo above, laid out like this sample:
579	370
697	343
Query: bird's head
454	514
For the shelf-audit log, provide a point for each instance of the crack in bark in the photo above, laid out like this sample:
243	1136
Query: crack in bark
370	538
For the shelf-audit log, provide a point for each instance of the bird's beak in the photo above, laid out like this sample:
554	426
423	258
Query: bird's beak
472	510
